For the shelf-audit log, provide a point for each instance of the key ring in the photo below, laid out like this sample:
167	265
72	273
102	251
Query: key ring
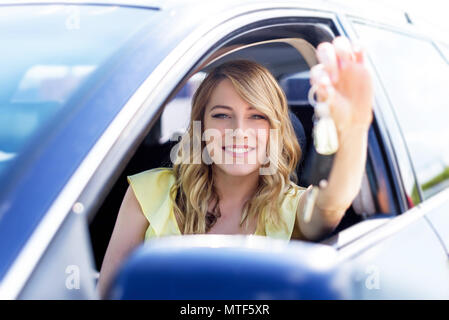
311	95
321	108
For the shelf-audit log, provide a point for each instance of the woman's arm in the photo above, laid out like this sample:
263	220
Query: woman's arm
343	185
342	72
128	233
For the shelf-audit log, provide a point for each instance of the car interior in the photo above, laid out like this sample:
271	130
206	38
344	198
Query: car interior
290	63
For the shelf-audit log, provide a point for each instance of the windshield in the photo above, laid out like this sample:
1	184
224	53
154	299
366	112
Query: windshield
47	53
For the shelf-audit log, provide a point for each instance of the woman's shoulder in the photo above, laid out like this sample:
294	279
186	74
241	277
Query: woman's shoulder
160	176
153	171
151	185
152	189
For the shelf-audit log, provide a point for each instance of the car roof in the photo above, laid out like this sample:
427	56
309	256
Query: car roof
361	8
368	10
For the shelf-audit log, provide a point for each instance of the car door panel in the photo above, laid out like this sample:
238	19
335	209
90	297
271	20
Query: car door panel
65	270
438	217
410	264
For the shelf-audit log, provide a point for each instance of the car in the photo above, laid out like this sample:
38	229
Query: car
93	92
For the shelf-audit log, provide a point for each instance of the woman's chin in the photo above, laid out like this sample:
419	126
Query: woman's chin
238	169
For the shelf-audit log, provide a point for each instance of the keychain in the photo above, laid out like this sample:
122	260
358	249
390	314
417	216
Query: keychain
325	145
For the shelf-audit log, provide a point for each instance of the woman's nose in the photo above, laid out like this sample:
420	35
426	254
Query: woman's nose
239	123
240	130
240	134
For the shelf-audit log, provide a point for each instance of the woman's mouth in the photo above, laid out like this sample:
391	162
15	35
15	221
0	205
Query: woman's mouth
238	150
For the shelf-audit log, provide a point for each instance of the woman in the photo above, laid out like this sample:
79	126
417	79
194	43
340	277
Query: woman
239	176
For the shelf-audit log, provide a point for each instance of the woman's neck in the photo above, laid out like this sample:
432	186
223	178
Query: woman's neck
237	189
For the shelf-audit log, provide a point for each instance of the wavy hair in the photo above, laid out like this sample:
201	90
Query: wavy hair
194	189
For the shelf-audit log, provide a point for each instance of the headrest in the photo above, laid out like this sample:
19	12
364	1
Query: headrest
296	88
299	131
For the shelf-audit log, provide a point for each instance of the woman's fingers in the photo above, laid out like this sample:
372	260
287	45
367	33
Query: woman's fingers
327	57
331	72
342	80
359	53
319	77
344	52
337	55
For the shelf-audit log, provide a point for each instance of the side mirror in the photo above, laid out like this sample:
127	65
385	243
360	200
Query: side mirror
196	267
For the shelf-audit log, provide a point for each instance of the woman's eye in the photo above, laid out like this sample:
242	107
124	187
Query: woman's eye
220	116
258	116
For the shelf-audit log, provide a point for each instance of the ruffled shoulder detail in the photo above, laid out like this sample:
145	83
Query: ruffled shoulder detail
152	190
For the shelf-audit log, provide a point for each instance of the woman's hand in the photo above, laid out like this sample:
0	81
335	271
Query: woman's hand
343	79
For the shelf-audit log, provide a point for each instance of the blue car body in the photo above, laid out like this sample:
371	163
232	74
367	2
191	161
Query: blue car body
141	55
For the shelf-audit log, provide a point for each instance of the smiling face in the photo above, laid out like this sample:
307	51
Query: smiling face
236	133
236	110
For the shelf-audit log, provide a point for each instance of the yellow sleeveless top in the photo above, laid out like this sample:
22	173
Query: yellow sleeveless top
152	190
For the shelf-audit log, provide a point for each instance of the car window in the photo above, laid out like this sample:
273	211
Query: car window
416	78
48	53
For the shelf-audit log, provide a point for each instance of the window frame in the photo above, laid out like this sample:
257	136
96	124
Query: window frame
379	167
354	231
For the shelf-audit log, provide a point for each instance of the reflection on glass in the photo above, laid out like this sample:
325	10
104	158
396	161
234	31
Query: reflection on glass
50	83
48	53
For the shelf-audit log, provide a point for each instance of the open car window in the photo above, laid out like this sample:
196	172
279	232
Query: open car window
289	66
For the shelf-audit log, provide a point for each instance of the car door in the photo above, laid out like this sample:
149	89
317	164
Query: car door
406	258
439	207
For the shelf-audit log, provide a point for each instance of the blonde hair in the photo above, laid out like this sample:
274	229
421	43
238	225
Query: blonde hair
194	182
